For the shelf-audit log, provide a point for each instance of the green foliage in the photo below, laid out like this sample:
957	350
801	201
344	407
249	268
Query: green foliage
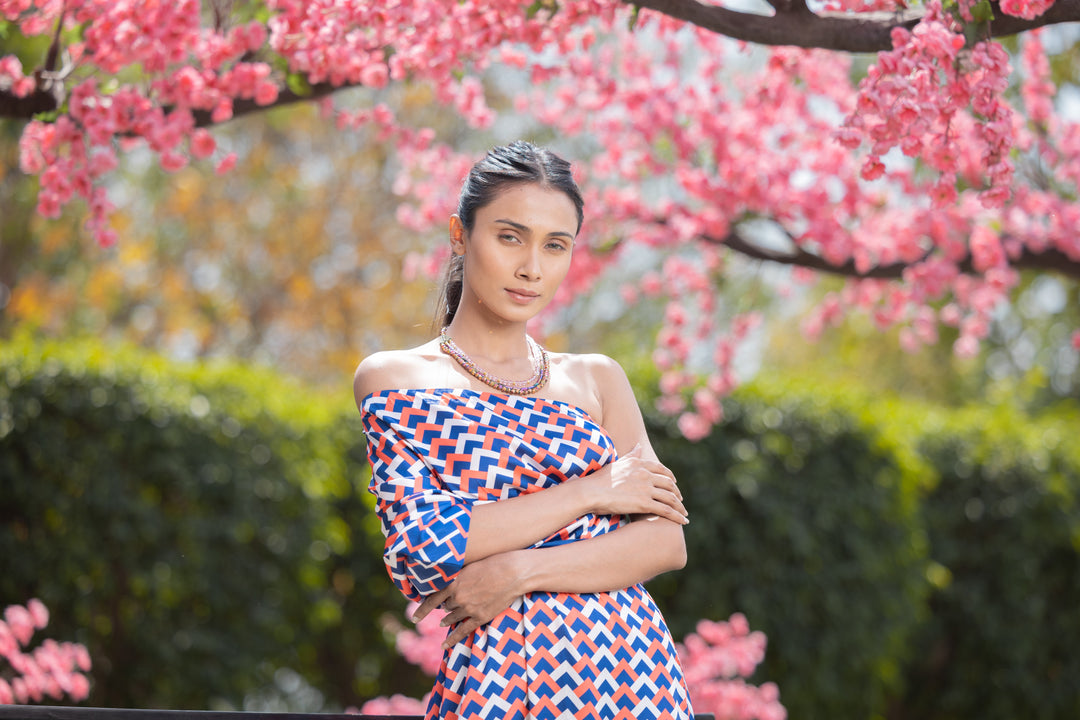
1004	524
195	527
201	528
803	518
904	560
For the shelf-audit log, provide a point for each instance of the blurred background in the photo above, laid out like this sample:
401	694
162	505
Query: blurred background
182	472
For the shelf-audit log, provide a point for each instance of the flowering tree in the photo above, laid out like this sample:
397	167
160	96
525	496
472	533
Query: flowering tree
716	660
49	670
929	180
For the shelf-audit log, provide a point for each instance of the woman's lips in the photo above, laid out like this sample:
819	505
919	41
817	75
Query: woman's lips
523	297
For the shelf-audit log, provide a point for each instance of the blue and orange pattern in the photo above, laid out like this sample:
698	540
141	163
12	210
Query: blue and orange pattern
436	453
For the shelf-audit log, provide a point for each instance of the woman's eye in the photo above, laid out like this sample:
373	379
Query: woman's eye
556	246
508	238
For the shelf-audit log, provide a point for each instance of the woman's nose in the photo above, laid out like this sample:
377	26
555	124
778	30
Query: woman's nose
530	265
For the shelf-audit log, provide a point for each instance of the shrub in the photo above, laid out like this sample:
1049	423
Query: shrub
196	527
1004	528
803	518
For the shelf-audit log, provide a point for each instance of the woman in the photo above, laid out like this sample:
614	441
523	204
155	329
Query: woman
517	488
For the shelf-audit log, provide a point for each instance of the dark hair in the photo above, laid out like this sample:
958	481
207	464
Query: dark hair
518	163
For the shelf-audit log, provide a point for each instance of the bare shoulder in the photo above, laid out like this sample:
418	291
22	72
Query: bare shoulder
602	371
393	369
614	404
596	381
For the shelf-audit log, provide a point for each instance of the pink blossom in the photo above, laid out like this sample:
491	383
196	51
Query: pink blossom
202	144
266	93
394	705
966	347
173	161
227	163
670	404
693	426
9	646
20	690
873	169
708	406
986	250
21	623
715	659
80	687
1027	9
45	671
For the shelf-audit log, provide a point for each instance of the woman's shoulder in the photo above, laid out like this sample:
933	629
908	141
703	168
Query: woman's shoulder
394	369
598	381
597	367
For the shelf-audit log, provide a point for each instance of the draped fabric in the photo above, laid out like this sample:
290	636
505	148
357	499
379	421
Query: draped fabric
435	454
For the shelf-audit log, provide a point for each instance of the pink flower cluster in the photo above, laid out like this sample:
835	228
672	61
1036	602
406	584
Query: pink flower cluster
694	144
12	78
49	670
396	704
914	97
1027	9
687	154
716	658
184	66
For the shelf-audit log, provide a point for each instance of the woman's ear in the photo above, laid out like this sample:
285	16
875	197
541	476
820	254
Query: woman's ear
457	235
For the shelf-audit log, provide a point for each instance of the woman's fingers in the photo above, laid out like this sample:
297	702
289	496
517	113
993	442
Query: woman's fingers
429	603
461	632
453	616
659	468
670	508
672	505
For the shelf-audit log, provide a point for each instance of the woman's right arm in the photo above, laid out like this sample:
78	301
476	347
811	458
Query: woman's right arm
632	485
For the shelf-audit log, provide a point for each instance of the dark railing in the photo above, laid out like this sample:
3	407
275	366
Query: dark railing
48	712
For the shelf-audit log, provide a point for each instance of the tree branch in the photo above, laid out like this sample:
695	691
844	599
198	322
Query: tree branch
246	106
45	98
1050	260
794	24
801	258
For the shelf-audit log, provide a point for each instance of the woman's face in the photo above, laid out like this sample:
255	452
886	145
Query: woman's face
518	252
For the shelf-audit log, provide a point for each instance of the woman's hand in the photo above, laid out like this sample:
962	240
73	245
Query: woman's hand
482	590
635	485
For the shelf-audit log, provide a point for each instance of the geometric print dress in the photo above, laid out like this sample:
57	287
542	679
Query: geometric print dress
436	453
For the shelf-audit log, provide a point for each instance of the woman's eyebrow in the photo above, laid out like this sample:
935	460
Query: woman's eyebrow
515	225
525	228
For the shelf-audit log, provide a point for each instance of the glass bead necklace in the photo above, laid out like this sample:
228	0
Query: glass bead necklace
537	355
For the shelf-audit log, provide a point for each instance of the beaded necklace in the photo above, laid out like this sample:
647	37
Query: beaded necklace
537	354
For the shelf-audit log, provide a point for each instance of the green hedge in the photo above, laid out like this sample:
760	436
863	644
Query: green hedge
202	527
198	528
904	561
1004	526
803	517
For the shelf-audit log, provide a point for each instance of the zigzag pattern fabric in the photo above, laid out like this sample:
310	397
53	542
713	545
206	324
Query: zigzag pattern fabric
436	453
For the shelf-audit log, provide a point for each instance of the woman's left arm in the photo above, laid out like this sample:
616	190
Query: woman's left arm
656	545
634	553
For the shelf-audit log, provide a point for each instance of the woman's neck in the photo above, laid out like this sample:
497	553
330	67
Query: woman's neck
499	343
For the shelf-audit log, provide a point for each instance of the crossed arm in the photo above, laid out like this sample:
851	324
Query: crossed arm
500	565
